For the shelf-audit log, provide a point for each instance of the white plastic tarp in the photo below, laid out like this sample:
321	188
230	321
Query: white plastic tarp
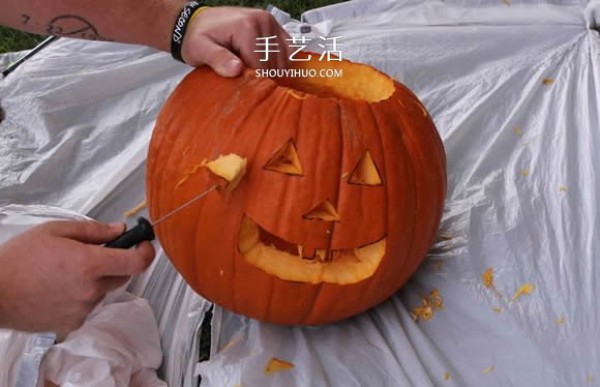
514	89
117	345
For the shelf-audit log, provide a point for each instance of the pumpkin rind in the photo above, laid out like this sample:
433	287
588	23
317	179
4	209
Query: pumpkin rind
381	166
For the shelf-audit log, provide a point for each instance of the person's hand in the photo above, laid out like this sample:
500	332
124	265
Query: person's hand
53	275
225	39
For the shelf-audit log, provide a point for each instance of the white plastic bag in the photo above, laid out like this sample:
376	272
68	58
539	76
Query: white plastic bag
118	344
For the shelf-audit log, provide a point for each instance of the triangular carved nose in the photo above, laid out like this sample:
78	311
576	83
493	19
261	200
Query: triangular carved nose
324	211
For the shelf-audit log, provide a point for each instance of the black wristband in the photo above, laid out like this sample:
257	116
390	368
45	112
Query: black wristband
181	25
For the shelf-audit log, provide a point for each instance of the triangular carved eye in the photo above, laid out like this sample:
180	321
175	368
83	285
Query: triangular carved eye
285	160
324	211
365	172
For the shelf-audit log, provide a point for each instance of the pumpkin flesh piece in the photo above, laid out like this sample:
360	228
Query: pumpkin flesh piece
230	167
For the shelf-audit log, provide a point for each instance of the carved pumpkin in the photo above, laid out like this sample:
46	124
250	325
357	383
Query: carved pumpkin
342	194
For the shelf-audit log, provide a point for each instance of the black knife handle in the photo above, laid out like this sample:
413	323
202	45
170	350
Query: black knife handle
143	231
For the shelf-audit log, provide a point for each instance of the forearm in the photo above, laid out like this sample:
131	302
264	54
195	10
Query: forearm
147	22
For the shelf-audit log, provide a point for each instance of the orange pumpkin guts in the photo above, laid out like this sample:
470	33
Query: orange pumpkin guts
335	189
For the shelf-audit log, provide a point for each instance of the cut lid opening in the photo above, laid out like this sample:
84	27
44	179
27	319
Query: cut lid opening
337	79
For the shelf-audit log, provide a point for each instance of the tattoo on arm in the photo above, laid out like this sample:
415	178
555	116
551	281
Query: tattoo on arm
73	26
68	25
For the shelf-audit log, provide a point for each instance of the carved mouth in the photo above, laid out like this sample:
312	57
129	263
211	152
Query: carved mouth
293	262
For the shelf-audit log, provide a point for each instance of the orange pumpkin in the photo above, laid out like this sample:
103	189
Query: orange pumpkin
341	198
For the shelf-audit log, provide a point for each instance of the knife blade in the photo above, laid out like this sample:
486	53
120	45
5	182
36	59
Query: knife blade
144	230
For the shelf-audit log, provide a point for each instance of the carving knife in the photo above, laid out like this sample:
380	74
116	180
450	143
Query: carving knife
144	230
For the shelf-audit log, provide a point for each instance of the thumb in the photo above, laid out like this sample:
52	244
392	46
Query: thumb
87	231
221	60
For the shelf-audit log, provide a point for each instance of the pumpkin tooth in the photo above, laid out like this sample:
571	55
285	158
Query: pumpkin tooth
323	255
308	252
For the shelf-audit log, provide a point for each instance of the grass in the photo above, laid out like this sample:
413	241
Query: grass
12	40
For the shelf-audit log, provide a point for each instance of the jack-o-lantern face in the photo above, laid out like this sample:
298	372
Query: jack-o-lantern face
318	248
342	194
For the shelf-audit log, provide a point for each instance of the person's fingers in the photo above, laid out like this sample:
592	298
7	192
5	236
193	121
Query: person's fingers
252	42
261	39
107	262
111	283
270	27
223	61
73	320
146	251
267	27
230	38
219	58
85	231
285	49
